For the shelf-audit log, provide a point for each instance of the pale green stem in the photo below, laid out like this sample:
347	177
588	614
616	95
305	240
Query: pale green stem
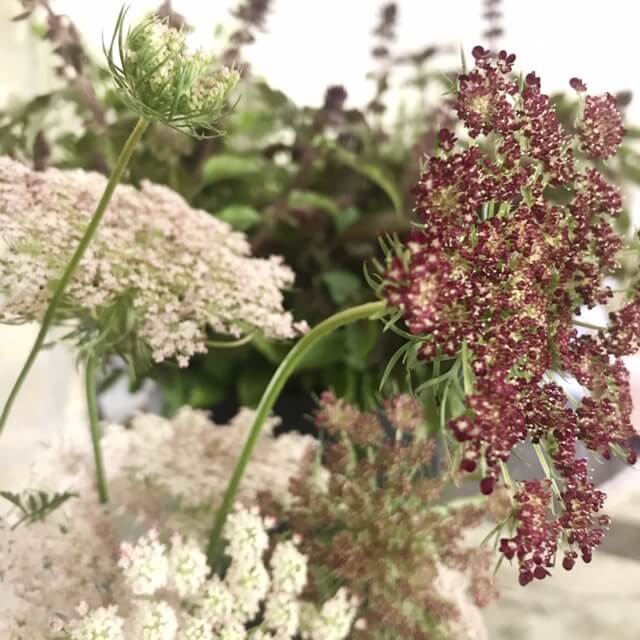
508	482
548	472
588	325
94	424
230	344
71	267
269	397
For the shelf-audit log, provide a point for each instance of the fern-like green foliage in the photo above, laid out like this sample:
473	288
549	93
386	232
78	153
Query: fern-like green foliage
35	505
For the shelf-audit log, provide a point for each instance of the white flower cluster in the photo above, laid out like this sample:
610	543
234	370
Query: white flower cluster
176	272
160	471
188	459
173	599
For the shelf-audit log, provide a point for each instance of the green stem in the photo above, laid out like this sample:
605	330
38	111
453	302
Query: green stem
231	344
269	397
71	267
94	424
588	325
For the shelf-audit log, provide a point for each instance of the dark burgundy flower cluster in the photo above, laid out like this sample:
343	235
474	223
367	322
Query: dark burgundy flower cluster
601	130
498	270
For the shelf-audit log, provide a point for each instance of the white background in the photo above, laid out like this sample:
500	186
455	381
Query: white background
313	43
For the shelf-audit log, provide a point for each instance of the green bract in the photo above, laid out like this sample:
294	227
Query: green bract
162	79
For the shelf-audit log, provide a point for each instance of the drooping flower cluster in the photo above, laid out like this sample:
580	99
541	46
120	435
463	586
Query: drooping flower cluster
160	471
161	78
517	239
158	276
368	517
169	595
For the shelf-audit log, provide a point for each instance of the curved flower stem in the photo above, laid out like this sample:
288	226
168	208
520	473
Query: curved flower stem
231	344
71	267
94	424
269	397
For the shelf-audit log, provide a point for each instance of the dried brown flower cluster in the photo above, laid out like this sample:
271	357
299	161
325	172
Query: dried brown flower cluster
372	523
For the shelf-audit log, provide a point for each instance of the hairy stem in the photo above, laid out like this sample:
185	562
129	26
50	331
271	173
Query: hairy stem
71	267
94	425
269	397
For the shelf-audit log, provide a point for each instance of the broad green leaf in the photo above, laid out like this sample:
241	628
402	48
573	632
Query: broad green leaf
205	395
226	166
328	350
241	217
361	339
347	217
252	383
274	352
375	173
342	285
313	200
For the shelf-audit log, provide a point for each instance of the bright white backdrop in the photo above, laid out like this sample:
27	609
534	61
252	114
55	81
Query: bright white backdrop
313	43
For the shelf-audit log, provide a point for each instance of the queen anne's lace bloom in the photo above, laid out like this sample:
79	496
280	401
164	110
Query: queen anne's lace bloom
153	621
282	614
225	608
188	567
145	566
101	624
495	278
156	469
195	629
247	536
333	620
288	568
248	581
216	604
165	271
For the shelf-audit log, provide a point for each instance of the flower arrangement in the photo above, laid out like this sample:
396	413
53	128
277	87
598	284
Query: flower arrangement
353	536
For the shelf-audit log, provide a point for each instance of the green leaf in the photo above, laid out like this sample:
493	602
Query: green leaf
241	217
251	385
346	218
361	339
35	505
274	352
205	395
227	166
375	173
342	285
313	200
329	350
393	361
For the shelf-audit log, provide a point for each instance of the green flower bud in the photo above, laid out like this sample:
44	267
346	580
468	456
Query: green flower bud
162	79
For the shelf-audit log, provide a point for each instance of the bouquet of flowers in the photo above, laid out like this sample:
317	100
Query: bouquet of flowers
202	531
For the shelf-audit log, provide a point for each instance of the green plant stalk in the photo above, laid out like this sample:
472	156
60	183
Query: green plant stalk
94	425
268	399
47	320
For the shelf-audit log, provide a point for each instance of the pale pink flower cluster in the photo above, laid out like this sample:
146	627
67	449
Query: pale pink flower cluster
178	272
224	607
163	473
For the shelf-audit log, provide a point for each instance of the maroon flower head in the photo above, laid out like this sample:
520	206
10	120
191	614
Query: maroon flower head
492	281
578	85
601	129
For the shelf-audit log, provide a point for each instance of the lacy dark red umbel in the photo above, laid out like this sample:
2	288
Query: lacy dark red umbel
516	239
